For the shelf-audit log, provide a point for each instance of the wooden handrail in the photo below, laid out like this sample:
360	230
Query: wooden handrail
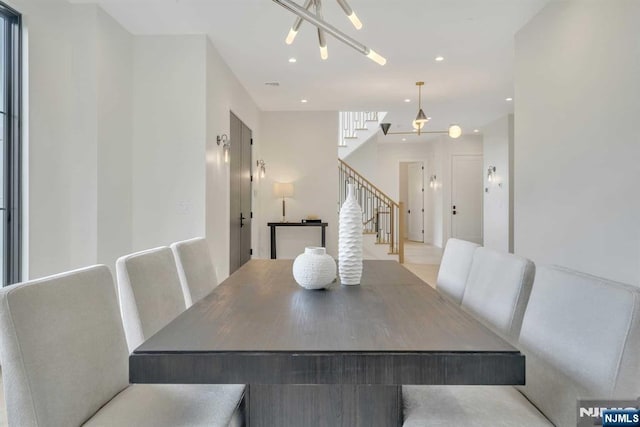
369	183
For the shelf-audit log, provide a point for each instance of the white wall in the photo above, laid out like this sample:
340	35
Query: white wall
364	159
225	94
497	143
299	147
49	123
66	101
169	130
115	134
120	150
576	138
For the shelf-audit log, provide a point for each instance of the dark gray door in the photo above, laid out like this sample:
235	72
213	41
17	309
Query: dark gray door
240	193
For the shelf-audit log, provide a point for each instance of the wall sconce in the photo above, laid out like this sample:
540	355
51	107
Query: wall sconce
262	170
491	174
433	181
224	140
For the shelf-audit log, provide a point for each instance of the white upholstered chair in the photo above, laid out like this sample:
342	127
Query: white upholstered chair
150	293
497	291
65	362
455	267
195	269
580	336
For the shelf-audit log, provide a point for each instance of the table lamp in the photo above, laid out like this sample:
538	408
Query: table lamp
284	190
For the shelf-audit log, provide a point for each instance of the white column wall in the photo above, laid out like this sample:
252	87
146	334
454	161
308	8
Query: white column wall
497	142
577	105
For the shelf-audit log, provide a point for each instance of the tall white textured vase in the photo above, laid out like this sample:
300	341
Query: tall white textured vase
350	240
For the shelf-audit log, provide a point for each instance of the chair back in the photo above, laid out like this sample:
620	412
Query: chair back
580	336
455	267
150	293
195	269
497	291
62	348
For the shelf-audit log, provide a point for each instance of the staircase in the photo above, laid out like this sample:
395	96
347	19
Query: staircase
380	214
356	127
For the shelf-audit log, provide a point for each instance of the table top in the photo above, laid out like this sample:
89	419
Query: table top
260	327
297	224
260	308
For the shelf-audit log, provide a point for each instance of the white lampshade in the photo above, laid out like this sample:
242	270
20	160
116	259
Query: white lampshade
283	189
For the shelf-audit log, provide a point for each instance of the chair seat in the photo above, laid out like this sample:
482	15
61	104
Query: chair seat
470	406
157	405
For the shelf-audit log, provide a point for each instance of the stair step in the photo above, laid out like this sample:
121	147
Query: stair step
349	137
362	129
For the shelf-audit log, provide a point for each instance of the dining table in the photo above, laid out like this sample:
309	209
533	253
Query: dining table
335	357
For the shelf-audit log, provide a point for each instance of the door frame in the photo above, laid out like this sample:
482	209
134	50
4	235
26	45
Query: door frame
249	217
450	207
421	162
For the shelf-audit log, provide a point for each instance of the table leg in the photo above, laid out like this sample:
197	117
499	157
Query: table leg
273	242
324	237
324	405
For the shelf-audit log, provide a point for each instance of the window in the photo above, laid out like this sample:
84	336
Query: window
10	85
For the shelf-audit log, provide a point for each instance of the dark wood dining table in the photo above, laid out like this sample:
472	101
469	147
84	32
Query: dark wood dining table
334	357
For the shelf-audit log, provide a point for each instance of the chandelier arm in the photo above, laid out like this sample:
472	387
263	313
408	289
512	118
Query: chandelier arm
345	6
298	21
322	41
350	14
330	29
417	133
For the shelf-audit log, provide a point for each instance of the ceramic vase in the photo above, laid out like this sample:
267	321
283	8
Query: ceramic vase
350	240
314	269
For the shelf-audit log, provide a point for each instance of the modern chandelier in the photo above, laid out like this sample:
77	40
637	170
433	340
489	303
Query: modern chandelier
316	19
421	119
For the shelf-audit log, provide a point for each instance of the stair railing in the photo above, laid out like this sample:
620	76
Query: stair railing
380	214
353	121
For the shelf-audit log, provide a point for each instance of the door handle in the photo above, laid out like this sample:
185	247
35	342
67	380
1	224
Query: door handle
242	218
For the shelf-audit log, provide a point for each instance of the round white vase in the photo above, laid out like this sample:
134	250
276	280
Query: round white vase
314	269
350	240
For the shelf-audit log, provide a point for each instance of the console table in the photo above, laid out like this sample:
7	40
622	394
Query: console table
274	225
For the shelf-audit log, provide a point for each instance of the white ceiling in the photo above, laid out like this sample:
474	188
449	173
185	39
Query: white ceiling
469	87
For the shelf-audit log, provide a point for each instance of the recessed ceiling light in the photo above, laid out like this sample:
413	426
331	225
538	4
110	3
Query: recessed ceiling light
292	60
476	130
428	118
439	58
404	139
407	100
508	99
304	101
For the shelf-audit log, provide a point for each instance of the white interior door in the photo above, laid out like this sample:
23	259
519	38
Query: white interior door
415	200
466	198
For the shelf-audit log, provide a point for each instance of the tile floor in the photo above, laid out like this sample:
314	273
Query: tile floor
421	259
